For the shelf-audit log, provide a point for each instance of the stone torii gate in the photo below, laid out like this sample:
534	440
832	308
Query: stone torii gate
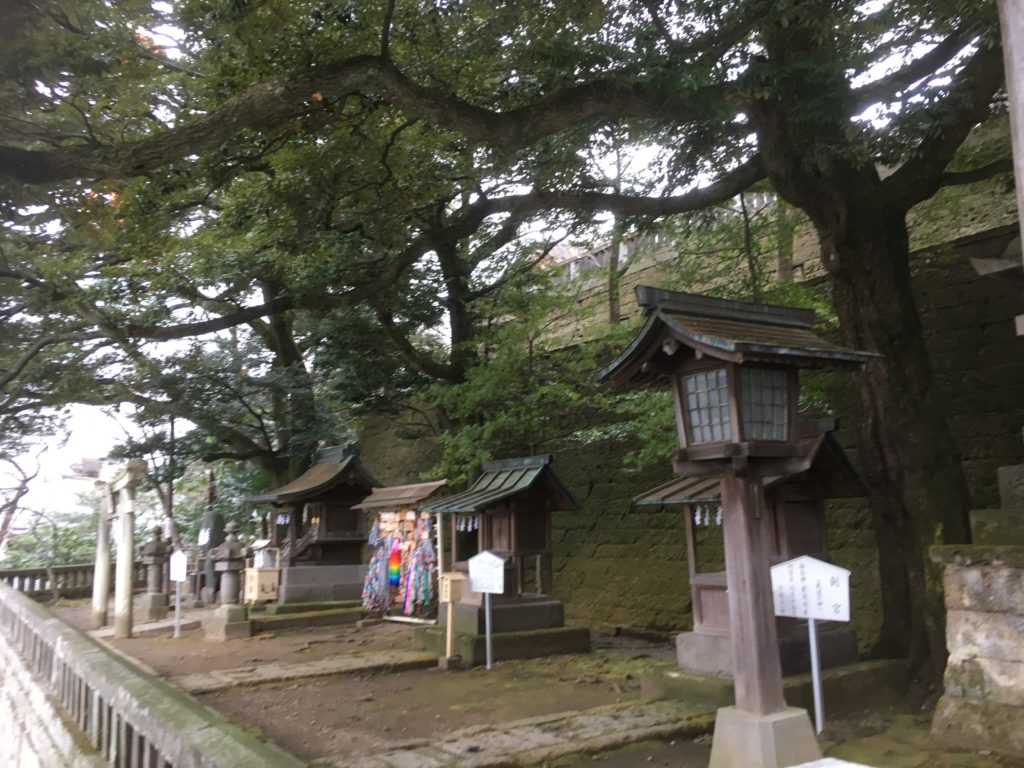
117	503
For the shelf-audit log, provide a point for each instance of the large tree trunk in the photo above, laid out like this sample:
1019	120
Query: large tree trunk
910	462
908	458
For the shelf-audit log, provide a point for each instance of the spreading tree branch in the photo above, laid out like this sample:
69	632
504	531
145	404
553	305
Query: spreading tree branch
270	104
982	173
928	63
968	103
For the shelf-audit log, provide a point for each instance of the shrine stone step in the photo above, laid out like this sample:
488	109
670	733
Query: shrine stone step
1011	486
997	527
277	609
329	618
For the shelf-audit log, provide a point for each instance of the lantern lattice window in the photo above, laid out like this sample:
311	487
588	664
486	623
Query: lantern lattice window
765	403
707	401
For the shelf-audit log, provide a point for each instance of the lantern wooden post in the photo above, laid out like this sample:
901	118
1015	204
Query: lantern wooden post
758	676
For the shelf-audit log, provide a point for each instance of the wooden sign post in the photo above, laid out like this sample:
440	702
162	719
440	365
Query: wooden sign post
808	588
451	593
487	575
179	573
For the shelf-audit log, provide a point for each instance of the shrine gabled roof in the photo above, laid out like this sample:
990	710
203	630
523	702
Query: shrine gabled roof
504	479
330	471
824	457
736	331
401	496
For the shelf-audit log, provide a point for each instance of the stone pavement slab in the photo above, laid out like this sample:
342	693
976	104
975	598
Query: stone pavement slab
831	762
205	682
537	740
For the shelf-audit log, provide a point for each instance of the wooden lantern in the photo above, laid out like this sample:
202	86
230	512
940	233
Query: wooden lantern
733	369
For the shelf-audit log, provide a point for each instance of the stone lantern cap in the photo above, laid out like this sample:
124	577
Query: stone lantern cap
155	550
229	556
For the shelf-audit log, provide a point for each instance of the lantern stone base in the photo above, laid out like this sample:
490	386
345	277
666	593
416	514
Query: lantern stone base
153	606
229	622
847	689
707	654
745	740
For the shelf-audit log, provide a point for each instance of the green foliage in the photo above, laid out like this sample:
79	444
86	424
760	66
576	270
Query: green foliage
235	483
529	389
58	538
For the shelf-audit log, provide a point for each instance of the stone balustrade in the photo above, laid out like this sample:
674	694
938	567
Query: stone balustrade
108	711
983	704
69	580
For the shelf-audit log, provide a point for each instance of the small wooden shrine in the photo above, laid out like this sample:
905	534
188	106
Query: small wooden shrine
507	511
401	579
795	503
320	534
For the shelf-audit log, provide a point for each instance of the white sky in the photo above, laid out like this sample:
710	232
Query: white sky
90	433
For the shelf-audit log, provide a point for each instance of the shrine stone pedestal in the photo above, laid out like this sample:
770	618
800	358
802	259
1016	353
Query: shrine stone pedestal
229	622
745	740
153	606
527	626
707	654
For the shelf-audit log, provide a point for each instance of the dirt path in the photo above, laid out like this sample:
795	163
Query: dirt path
361	714
191	654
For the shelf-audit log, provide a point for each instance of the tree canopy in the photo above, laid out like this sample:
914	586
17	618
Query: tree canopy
336	180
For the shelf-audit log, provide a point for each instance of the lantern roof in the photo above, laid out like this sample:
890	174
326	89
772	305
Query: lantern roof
724	329
502	480
824	462
333	466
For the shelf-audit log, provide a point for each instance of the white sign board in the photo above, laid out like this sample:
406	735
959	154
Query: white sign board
487	573
179	566
806	588
204	537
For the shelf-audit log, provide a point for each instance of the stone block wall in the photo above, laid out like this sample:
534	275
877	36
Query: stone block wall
983	704
977	358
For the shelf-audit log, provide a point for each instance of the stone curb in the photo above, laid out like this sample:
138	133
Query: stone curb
537	740
380	661
147	629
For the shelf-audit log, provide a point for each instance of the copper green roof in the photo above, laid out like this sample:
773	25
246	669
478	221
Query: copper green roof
504	479
737	331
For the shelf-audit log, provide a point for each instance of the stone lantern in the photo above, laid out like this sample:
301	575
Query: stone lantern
154	556
733	369
230	620
229	561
